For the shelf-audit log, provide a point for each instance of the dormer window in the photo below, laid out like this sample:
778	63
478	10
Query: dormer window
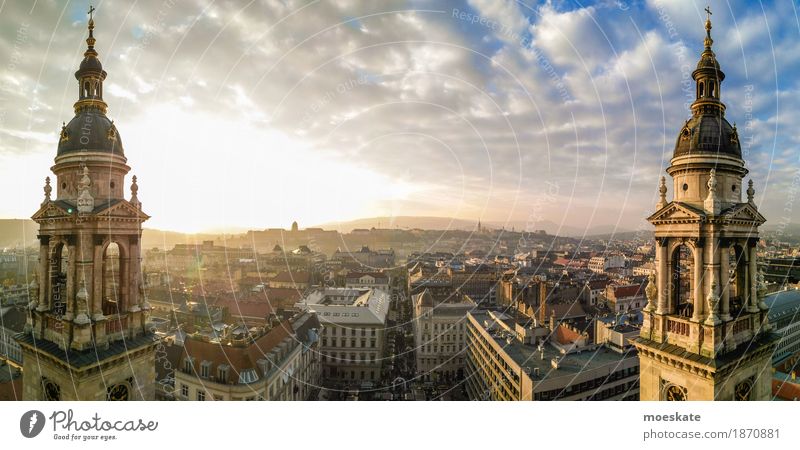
188	364
205	369
222	374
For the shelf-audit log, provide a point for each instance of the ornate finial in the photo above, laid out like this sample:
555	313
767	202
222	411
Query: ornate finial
651	291
712	181
64	136
750	191
47	190
134	193
90	40
708	40
85	199
112	132
712	204
82	306
662	193
713	304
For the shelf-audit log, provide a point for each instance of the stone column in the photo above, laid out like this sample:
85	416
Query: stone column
752	273
711	271
699	298
71	279
725	283
662	274
44	274
97	283
133	288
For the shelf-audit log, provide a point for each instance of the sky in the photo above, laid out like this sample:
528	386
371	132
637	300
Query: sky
237	114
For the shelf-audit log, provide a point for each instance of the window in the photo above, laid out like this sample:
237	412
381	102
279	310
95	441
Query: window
185	390
201	396
372	343
363	332
352	343
204	369
363	343
373	332
222	374
352	331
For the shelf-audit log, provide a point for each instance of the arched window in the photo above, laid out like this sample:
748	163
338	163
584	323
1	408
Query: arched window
682	280
59	273
701	90
86	89
711	86
112	280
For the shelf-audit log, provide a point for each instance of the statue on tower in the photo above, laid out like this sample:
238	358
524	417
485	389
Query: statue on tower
85	199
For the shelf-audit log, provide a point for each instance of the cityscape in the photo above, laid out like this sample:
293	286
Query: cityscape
693	293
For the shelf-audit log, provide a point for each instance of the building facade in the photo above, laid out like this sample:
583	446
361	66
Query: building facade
706	333
281	363
87	337
353	333
510	360
440	336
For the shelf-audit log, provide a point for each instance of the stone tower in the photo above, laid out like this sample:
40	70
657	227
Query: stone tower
87	337
705	334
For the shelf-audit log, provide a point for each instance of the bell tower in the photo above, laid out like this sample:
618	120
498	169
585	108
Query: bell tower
87	336
706	335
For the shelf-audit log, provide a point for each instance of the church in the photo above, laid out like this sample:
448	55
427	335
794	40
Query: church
705	334
86	336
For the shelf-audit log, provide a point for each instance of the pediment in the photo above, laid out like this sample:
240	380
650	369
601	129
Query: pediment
677	212
743	212
51	210
121	210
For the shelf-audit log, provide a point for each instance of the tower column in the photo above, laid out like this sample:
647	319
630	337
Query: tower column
71	280
134	302
97	283
699	299
752	273
44	273
663	275
725	282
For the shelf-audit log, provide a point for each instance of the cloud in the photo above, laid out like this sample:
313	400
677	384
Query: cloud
415	111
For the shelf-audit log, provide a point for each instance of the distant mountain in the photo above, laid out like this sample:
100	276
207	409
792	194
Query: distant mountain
22	233
449	223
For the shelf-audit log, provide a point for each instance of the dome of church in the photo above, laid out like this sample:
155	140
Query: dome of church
708	134
90	130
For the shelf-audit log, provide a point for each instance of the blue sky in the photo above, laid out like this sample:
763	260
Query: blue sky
257	114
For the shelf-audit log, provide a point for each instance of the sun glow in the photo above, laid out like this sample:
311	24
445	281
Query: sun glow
198	172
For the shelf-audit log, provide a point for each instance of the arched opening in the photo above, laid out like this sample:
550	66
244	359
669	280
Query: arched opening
737	273
86	89
59	274
682	280
701	89
711	89
112	280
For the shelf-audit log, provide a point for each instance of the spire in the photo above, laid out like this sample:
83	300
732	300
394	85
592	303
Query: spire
708	41
90	75
90	40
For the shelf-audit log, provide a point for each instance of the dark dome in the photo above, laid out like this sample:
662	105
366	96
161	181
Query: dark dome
90	130
708	61
708	134
90	63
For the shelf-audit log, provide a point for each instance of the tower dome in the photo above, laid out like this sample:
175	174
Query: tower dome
707	131
90	130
